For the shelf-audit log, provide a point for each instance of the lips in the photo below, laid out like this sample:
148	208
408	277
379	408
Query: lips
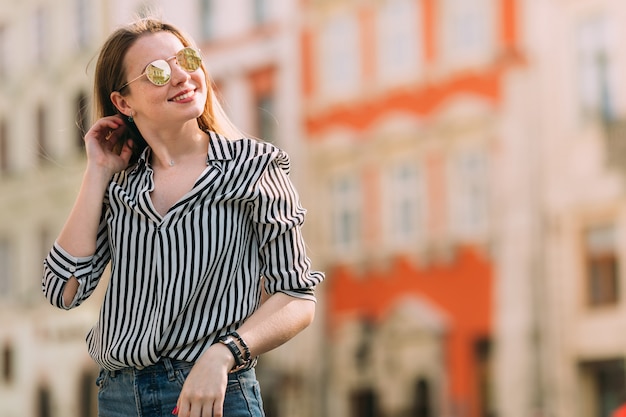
183	96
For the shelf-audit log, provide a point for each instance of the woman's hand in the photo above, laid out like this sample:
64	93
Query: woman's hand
205	387
103	147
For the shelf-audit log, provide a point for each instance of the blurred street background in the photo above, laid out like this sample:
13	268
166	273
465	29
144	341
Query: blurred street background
463	163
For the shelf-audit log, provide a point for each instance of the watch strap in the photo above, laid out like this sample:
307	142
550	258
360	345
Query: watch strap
229	342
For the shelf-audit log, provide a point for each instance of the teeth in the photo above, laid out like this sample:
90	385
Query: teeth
183	96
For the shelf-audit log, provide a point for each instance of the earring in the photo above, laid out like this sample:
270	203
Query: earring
130	118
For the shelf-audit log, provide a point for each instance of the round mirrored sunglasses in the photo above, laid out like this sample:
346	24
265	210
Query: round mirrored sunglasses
159	72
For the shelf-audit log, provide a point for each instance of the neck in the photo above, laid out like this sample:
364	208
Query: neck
167	154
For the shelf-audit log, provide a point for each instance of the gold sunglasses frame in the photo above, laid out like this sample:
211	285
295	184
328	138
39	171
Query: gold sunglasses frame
179	54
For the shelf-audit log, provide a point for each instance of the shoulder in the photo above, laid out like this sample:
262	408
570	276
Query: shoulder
245	151
256	148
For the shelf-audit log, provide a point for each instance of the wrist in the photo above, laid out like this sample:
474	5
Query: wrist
97	176
238	350
230	342
222	354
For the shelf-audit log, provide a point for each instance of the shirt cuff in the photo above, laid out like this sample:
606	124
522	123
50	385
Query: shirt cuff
305	294
64	265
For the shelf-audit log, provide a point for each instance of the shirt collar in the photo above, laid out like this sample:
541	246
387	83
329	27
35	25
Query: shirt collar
220	148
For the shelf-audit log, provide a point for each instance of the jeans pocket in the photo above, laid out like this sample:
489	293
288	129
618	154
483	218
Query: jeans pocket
181	374
243	396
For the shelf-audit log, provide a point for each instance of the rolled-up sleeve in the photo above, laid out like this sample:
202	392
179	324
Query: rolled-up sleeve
59	266
279	218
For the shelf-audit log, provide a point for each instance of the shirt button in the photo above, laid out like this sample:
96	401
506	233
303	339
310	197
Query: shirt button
72	268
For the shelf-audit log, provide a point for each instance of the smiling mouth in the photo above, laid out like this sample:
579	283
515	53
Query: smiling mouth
184	96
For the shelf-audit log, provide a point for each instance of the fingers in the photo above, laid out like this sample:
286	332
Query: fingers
199	405
194	410
107	133
199	408
105	127
106	145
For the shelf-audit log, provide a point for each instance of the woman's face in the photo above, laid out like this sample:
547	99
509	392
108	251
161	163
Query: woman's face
180	100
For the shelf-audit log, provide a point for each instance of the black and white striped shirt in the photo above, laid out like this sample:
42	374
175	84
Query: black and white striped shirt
180	281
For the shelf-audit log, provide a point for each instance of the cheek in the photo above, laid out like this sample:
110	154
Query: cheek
200	82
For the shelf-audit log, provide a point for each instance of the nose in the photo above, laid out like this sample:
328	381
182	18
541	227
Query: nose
179	75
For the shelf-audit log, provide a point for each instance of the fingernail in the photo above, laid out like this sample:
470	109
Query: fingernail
175	411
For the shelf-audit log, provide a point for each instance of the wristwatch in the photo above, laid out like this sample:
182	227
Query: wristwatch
229	342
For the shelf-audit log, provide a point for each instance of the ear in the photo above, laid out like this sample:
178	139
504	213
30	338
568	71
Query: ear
120	102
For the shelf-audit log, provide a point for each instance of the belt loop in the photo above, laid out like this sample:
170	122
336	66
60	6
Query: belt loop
169	367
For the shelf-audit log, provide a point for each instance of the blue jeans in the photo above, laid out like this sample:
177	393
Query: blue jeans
153	391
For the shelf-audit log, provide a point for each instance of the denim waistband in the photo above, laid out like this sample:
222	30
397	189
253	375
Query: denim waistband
169	366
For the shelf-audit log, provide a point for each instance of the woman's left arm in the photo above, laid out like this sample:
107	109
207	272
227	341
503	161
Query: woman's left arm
276	321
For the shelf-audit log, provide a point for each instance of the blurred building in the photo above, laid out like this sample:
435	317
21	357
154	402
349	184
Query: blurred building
402	105
48	50
45	47
561	214
463	167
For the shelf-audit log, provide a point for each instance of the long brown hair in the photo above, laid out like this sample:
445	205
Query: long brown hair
110	74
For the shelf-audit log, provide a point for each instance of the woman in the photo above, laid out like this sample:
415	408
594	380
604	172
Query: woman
189	222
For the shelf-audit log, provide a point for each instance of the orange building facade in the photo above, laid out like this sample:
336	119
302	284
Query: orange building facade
400	106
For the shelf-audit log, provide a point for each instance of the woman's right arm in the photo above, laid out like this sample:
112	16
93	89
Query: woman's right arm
79	234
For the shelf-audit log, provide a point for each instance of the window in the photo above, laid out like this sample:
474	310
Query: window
262	85
266	120
206	15
4	146
40	32
596	69
602	266
83	23
469	194
363	348
346	215
44	402
607	385
405	197
422	406
468	31
6	269
82	118
364	403
261	11
42	134
340	60
8	373
399	39
484	371
4	53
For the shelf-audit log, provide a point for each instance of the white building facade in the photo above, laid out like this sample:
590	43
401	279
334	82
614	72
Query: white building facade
561	215
558	230
48	50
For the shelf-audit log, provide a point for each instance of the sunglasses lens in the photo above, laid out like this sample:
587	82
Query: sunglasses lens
158	72
189	59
